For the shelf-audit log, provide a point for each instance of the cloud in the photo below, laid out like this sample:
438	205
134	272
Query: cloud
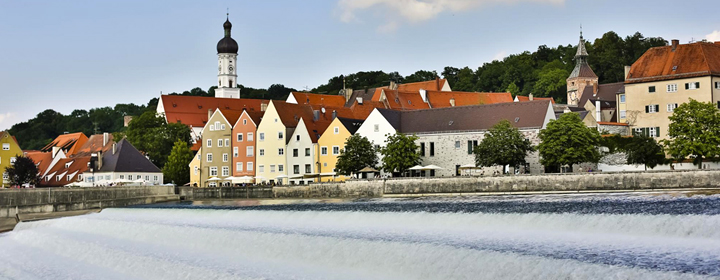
418	10
713	37
6	119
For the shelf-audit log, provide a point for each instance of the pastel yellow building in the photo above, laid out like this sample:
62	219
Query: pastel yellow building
195	169
9	151
665	77
331	142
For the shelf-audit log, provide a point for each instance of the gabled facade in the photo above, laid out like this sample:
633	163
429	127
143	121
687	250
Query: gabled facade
378	125
123	162
195	169
69	143
9	151
216	153
581	76
301	156
331	143
244	140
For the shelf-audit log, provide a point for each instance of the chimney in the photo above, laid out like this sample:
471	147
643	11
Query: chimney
423	94
627	71
598	113
530	97
106	138
263	107
595	88
437	83
675	43
99	161
359	100
114	148
393	85
452	102
55	150
210	111
334	114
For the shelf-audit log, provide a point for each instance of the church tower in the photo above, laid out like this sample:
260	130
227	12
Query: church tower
227	50
581	77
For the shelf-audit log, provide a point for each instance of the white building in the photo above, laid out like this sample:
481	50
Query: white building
124	163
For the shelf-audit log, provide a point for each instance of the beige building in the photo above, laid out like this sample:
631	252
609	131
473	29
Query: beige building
216	151
665	77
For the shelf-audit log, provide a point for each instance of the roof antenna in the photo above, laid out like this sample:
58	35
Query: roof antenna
227	12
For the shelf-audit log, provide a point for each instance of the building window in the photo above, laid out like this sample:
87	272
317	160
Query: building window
147	177
212	185
432	149
213	171
307	152
239	166
261	152
239	137
376	128
336	130
217	125
652	108
323	150
235	151
471	146
250	166
6	146
281	151
422	149
280	135
209	157
244	122
249	151
250	137
261	168
457	144
647	131
622	98
308	168
262	136
297	137
672	88
717	85
671	107
281	168
227	142
295	152
225	171
209	143
222	127
212	127
220	142
653	132
694	85
225	157
196	170
272	168
6	176
336	150
296	169
122	177
623	114
155	178
651	89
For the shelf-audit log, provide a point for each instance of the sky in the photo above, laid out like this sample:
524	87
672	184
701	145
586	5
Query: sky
66	55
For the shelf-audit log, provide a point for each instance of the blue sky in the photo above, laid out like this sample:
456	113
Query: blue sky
66	55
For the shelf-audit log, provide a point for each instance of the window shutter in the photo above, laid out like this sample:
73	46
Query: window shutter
647	109
697	85
657	108
657	131
718	104
470	147
646	132
687	85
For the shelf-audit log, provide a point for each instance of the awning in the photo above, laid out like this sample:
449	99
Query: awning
368	170
432	167
416	167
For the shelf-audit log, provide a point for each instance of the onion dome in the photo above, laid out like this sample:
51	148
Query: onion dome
227	44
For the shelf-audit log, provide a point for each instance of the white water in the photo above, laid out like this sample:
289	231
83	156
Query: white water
234	244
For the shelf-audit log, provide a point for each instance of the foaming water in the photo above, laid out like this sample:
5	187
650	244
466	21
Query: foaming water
182	242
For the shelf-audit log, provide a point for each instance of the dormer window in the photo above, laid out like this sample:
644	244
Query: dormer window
67	165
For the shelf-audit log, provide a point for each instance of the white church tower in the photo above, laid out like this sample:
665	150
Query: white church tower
227	50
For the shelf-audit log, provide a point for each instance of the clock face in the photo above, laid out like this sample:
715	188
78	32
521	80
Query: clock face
230	68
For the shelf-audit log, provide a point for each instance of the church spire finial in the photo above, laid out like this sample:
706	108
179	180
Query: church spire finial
581	31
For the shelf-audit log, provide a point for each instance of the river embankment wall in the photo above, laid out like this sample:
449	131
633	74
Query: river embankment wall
48	200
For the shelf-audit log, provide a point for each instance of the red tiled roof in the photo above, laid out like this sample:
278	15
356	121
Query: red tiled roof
686	61
319	99
94	144
434	85
362	111
441	99
79	164
522	98
231	115
316	128
196	147
69	142
398	100
193	110
41	159
290	113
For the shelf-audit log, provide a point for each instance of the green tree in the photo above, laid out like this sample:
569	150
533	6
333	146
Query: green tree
176	168
400	153
694	132
150	134
24	171
503	145
421	76
357	154
514	89
567	141
646	151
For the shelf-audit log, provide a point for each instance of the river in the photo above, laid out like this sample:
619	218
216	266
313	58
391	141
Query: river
593	236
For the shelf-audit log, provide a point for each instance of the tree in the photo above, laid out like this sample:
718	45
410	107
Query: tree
513	89
421	76
176	168
567	141
400	153
357	154
24	171
694	132
150	134
644	150
503	145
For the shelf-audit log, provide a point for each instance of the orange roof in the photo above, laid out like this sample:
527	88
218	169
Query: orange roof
290	113
193	110
398	100
68	142
434	85
316	128
79	164
94	144
231	115
686	61
196	147
362	111
41	159
441	99
522	98
319	99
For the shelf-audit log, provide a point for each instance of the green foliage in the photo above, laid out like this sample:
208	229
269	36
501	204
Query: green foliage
567	141
514	89
357	154
22	172
503	145
400	153
616	143
694	132
176	170
644	150
150	134
552	83
421	76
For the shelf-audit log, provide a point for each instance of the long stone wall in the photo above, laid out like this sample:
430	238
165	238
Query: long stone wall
522	183
23	201
193	193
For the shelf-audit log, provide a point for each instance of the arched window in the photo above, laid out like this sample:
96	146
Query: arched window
231	84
